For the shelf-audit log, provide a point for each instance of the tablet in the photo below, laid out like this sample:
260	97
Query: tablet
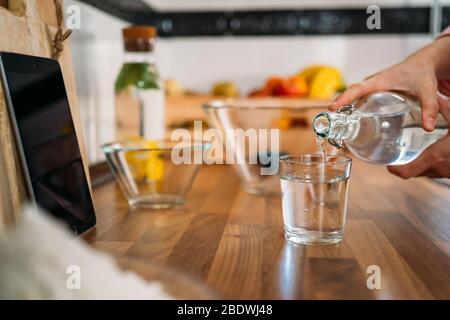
46	140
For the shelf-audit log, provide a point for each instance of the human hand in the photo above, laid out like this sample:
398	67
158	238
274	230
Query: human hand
434	162
415	76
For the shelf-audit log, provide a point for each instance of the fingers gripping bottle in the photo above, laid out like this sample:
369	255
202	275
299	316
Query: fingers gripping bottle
381	128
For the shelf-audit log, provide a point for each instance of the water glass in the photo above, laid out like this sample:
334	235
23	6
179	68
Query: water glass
314	197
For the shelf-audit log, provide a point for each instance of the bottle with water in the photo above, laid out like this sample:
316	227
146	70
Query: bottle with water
382	128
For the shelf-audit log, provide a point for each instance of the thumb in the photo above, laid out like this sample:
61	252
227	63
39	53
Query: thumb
430	106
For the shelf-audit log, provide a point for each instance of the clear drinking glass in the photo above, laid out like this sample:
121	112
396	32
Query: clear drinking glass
155	174
314	197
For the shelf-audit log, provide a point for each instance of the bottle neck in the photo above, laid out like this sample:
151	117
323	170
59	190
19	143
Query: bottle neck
336	126
139	57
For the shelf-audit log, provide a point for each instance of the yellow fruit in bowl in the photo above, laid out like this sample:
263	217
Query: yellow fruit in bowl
310	72
155	164
325	84
225	89
324	81
146	164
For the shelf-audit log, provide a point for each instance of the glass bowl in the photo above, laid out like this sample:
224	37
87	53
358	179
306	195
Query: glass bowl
155	174
293	120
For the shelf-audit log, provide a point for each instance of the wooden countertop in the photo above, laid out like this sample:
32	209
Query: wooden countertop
234	243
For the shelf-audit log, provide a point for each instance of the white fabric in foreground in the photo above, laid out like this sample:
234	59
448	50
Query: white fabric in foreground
39	259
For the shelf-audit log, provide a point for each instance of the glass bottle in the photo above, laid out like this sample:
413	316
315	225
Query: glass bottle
383	128
139	93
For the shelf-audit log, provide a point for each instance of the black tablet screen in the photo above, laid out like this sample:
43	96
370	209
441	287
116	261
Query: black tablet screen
49	142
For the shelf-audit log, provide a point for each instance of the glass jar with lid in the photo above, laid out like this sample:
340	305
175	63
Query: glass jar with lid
139	92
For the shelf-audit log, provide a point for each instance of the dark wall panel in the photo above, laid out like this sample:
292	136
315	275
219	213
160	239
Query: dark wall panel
407	20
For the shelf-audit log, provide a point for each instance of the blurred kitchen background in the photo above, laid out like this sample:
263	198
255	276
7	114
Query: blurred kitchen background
202	42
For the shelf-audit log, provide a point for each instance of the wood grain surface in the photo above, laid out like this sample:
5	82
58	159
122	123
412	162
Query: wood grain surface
233	242
31	26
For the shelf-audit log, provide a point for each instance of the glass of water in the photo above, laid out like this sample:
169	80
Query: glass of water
314	197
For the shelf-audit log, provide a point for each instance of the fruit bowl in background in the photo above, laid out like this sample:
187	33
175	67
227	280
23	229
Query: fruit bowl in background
318	82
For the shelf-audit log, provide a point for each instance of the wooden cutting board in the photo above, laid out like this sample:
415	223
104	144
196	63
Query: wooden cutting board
28	27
